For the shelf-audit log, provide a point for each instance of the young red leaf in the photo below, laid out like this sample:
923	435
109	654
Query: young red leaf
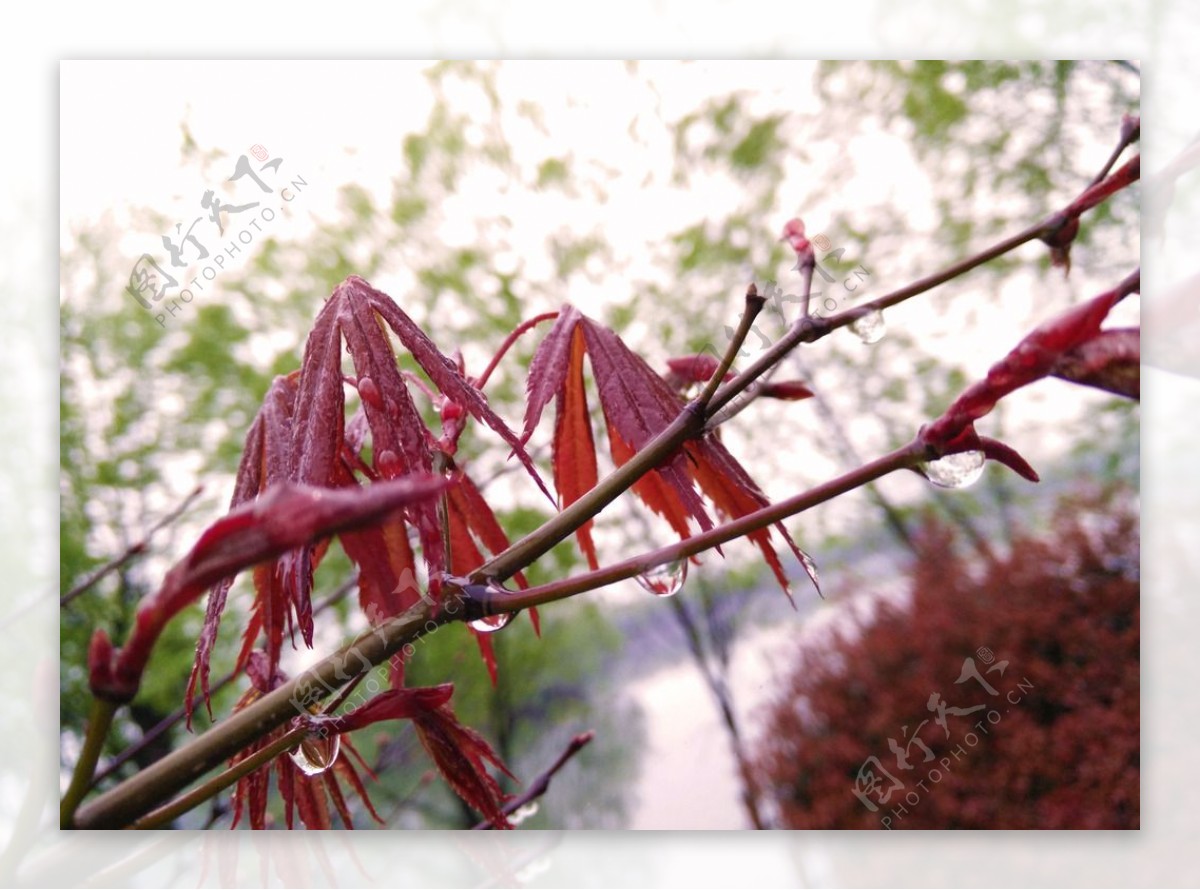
652	489
700	368
466	499
386	569
465	557
998	451
1110	361
335	794
472	523
639	405
344	768
461	755
1031	360
548	370
793	234
695	368
636	401
320	402
303	793
399	438
266	459
391	704
735	494
787	390
444	373
574	455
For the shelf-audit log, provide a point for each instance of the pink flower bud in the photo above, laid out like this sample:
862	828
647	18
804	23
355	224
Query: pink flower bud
793	234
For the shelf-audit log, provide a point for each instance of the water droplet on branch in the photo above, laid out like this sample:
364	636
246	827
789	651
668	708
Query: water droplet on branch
955	470
491	623
870	328
666	579
521	813
316	753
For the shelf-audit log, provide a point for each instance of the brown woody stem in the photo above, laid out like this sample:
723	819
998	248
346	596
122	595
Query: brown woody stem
179	713
809	329
754	305
166	814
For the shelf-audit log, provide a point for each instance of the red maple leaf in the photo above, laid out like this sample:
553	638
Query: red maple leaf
1070	345
638	404
301	435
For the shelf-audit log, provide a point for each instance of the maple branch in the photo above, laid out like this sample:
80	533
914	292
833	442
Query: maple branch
488	601
539	542
690	423
137	548
168	813
1131	131
754	305
142	793
541	784
808	329
807	264
99	722
520	329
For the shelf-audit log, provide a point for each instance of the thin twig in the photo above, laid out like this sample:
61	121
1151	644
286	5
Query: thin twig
541	784
716	415
98	723
810	329
806	273
135	549
490	601
1129	135
168	813
754	305
198	795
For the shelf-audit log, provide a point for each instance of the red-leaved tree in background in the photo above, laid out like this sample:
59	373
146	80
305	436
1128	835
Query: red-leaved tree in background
853	738
369	462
